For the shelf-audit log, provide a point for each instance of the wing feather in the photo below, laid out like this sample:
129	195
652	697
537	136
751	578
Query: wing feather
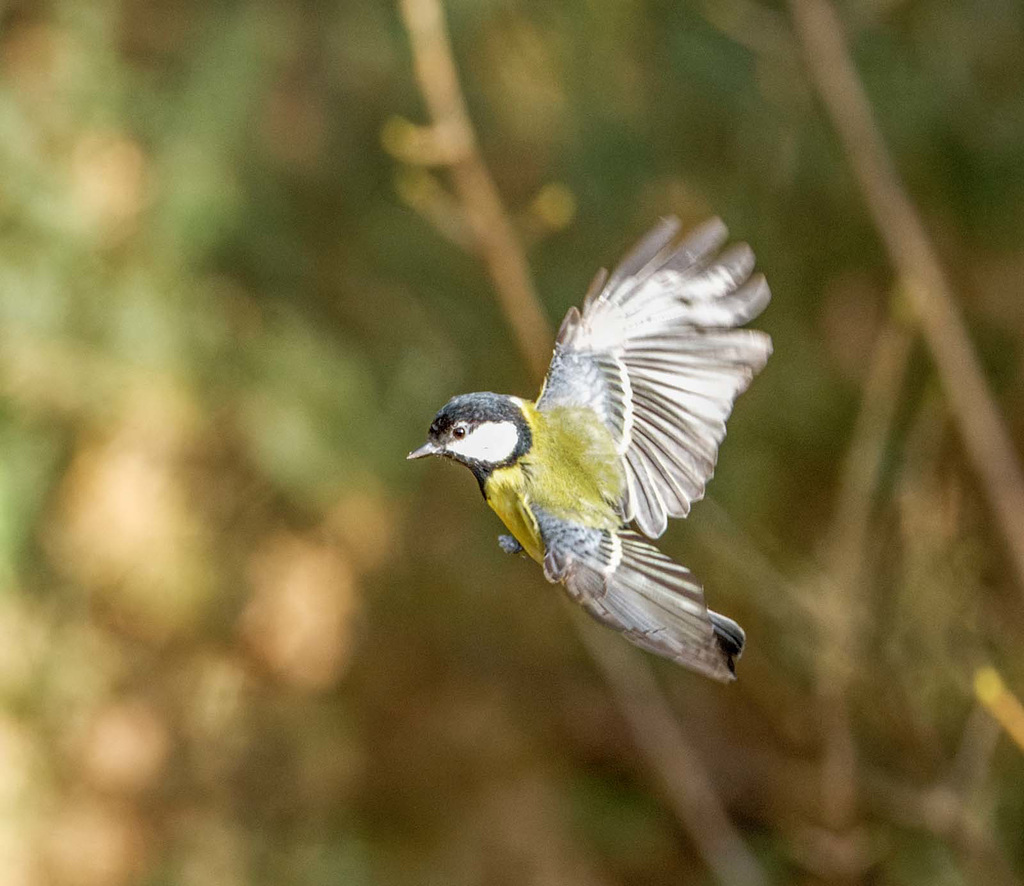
656	603
657	355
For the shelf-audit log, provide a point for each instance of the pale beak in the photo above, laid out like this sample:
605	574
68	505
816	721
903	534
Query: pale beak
427	448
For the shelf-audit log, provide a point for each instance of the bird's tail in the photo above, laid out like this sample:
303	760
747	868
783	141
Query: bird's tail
730	638
630	585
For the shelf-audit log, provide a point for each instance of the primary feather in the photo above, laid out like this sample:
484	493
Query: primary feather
657	356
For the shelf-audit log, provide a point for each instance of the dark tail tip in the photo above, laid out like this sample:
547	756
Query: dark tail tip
730	638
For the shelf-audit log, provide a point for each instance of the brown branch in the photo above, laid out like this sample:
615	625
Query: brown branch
862	465
724	536
839	850
940	810
842	591
944	809
985	437
485	214
836	606
683	777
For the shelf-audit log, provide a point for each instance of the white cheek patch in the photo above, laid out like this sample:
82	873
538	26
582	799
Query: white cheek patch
492	441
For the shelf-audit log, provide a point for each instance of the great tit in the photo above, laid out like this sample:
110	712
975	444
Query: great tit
626	430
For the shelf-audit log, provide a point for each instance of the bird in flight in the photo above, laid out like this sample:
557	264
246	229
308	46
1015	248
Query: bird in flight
625	433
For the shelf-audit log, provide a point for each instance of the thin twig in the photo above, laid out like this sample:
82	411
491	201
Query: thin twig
683	777
842	590
863	463
837	605
485	213
939	810
946	807
722	534
973	759
982	430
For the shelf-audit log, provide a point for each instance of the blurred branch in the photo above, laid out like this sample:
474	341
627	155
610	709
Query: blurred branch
421	190
974	756
485	214
985	437
763	31
744	554
942	810
862	465
840	852
682	775
847	552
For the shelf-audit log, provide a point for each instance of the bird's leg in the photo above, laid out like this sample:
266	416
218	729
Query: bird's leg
509	544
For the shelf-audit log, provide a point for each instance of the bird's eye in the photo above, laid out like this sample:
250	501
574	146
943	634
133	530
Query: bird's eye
459	432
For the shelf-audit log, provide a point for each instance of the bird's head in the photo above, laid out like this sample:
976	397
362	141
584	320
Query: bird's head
482	431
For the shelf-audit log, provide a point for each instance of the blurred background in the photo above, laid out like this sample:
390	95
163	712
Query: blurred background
243	641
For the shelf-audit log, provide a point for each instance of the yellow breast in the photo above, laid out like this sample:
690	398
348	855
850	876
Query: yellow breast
571	471
507	494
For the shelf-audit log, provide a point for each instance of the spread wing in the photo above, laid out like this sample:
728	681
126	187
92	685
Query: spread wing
657	604
657	355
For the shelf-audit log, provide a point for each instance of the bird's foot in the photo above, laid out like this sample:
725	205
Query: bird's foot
509	544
